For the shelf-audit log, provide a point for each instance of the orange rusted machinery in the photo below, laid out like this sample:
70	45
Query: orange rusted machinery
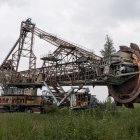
21	103
70	65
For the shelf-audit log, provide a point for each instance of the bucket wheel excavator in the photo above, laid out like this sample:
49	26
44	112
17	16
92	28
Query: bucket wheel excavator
69	65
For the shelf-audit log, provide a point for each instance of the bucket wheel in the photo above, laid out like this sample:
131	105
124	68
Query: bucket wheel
129	92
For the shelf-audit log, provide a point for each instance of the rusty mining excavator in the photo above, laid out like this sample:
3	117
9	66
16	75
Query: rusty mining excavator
69	65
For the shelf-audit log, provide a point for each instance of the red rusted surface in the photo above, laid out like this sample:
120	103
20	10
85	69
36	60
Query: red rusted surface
128	92
35	110
3	111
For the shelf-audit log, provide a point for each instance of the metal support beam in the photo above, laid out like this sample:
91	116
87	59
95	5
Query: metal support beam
55	100
10	52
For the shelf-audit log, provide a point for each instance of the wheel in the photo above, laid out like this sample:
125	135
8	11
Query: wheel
128	92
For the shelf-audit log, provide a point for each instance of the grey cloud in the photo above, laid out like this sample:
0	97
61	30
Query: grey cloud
125	9
15	3
85	22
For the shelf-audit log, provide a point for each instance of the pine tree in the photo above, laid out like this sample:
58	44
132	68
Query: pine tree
108	47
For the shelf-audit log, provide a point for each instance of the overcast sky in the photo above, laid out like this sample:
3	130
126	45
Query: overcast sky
84	22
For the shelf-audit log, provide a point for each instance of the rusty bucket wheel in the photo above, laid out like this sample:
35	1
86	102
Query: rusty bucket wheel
128	92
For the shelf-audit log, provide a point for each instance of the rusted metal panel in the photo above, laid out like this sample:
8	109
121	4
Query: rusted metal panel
20	100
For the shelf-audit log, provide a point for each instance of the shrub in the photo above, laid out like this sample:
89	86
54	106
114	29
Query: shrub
50	108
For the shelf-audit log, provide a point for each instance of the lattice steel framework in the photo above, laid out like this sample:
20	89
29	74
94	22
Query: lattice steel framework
25	46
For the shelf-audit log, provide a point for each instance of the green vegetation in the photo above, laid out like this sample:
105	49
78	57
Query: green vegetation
108	47
64	124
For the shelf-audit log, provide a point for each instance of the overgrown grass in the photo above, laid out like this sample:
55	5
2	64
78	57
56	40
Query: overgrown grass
64	124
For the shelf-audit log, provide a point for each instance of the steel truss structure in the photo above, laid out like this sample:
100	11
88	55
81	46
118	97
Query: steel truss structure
71	65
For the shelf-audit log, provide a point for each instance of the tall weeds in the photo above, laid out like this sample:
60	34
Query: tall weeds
65	124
